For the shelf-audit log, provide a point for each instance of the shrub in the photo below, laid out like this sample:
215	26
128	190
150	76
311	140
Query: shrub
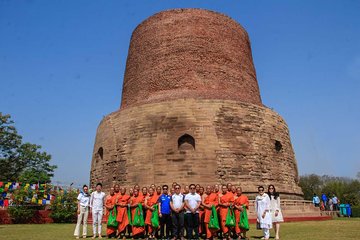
21	214
64	207
355	211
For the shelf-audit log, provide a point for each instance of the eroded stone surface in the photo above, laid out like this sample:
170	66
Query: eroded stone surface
191	111
234	142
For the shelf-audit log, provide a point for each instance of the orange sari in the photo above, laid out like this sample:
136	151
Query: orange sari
150	202
122	216
109	204
136	200
239	202
211	199
227	198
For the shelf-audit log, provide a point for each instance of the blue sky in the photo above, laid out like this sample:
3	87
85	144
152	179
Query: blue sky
62	66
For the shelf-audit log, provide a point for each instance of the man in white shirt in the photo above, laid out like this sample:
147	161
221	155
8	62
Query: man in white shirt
192	204
97	201
82	211
177	213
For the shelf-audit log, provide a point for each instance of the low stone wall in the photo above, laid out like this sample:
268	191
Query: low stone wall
40	217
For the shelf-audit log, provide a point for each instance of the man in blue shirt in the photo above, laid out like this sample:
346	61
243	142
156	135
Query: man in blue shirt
324	199
164	213
316	200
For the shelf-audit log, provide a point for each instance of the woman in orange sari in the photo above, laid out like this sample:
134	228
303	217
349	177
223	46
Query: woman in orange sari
240	200
209	199
110	201
226	199
150	202
122	217
134	201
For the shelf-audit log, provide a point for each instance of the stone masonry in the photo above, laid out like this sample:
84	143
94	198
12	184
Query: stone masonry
191	111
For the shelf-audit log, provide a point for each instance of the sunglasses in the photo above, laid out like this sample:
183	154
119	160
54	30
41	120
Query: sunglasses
165	189
177	188
271	188
192	188
261	190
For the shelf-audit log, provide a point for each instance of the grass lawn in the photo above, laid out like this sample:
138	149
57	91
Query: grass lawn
339	229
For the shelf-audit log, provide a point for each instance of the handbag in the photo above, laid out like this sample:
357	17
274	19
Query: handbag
139	217
155	217
214	221
244	221
112	218
230	218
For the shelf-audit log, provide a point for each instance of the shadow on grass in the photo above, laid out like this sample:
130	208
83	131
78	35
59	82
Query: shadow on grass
259	237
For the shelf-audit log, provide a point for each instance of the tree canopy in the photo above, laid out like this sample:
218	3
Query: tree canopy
21	161
346	189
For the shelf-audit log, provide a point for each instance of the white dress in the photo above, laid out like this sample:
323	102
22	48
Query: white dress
275	206
262	204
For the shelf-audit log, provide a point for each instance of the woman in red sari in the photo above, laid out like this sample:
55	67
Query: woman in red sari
134	201
209	199
110	201
226	199
150	202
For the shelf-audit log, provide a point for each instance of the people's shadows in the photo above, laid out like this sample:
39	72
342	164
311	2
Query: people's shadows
259	237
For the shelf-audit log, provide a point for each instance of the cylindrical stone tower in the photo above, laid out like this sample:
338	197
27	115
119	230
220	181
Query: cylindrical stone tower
191	111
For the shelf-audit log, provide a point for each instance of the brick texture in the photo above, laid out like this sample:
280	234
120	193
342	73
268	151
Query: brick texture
189	53
191	111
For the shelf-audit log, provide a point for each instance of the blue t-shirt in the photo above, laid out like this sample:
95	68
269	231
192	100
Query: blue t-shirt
165	203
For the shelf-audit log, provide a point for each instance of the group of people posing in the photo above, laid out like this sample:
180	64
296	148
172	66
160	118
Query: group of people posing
177	209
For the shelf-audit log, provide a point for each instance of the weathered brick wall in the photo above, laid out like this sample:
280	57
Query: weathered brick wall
190	71
234	142
189	53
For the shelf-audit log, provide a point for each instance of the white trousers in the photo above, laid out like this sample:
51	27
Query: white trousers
266	232
97	216
84	213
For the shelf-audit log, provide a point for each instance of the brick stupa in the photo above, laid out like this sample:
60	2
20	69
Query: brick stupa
191	111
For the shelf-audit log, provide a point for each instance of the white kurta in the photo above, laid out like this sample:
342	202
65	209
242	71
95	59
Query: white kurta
275	206
262	204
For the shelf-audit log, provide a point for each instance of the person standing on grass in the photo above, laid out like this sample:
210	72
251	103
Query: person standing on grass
165	213
275	209
135	200
192	204
262	208
82	211
177	213
239	202
226	199
97	201
208	200
150	202
122	217
110	201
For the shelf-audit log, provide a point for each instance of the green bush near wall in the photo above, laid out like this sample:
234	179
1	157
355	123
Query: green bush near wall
21	214
355	211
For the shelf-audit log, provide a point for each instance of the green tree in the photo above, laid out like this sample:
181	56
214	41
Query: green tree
21	161
346	189
310	184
